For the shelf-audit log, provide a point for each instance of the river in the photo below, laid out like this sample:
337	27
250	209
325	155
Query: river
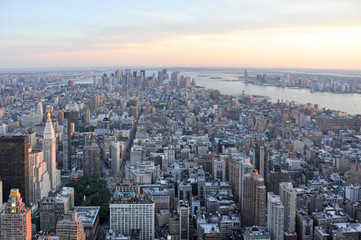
226	81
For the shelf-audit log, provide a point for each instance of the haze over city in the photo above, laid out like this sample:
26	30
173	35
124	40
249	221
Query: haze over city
180	120
296	34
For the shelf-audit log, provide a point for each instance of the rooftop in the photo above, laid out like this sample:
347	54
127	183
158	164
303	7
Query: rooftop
88	215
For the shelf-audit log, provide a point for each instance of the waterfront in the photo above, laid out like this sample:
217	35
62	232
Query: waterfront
227	82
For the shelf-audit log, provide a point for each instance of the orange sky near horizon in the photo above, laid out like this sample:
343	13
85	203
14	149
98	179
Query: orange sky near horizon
283	34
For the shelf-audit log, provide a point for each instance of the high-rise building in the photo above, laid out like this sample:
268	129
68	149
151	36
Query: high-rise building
87	117
118	74
127	215
275	177
183	212
53	209
39	180
94	102
70	227
14	162
288	198
219	169
260	158
115	153
67	141
49	151
304	225
91	160
246	76
1	195
275	216
15	221
253	200
71	84
245	167
95	81
39	111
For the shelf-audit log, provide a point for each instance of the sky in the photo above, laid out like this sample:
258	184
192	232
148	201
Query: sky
189	33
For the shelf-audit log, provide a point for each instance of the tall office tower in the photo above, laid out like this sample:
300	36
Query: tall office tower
14	162
253	200
15	221
39	179
275	216
67	141
1	195
87	116
142	74
70	227
246	76
49	151
183	211
127	215
91	160
288	198
115	153
265	78
260	158
94	102
118	75
39	111
175	76
95	81
53	209
245	167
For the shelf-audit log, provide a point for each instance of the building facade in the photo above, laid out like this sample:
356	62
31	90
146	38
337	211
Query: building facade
133	214
15	173
254	200
91	160
15	221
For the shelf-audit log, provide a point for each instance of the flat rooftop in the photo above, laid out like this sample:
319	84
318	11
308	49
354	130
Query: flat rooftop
88	215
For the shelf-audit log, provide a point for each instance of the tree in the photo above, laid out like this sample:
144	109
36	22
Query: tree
96	193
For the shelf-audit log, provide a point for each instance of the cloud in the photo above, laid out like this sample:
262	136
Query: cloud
42	28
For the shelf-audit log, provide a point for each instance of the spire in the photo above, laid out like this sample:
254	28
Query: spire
49	130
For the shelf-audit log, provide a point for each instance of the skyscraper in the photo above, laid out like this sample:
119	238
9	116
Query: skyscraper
1	195
275	216
15	221
95	81
253	200
260	158
39	179
14	162
115	151
288	198
183	220
245	167
39	111
91	160
49	151
67	142
246	76
94	102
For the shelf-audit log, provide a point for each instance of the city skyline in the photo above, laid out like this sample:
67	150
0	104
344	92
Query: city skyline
282	34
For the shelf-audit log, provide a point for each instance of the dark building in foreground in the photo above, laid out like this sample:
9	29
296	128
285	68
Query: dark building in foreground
14	165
